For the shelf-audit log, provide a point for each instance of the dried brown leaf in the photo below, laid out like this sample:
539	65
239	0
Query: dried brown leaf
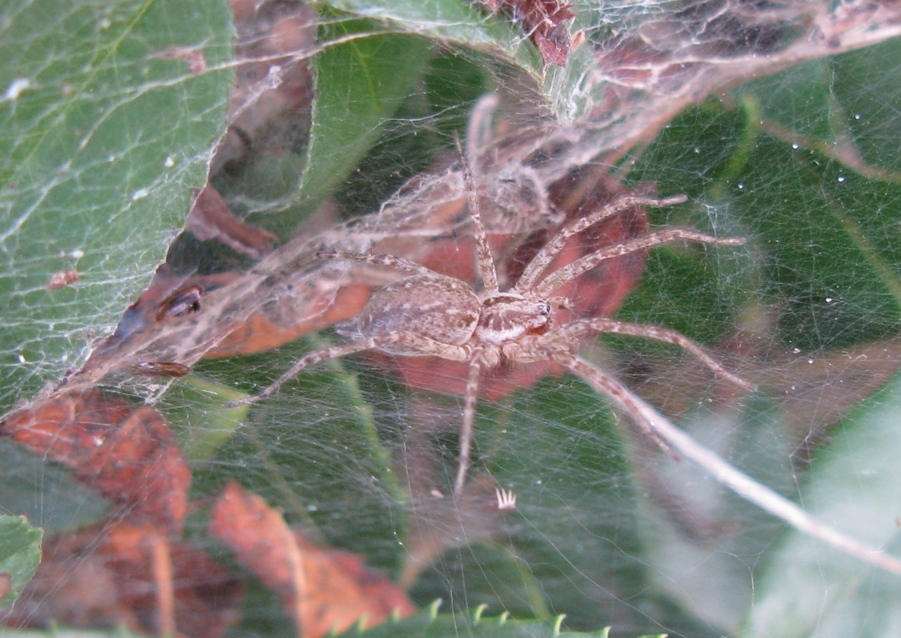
543	21
212	219
321	589
6	584
125	452
271	104
121	574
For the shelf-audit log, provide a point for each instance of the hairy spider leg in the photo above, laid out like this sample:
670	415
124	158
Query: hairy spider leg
487	269
586	263
488	274
609	387
479	130
575	330
419	342
469	413
530	276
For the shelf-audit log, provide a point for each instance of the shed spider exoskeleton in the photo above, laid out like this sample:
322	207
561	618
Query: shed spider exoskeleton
426	313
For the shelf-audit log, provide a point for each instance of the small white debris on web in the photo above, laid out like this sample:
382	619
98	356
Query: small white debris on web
15	88
506	499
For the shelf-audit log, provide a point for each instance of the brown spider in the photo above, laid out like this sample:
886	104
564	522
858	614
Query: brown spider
426	313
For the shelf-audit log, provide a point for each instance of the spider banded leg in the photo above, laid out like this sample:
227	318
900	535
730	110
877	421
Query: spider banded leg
618	394
469	416
487	270
586	263
312	359
419	343
388	261
579	328
543	259
724	473
479	130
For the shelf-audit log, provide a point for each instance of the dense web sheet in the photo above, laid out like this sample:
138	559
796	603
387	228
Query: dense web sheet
106	126
778	122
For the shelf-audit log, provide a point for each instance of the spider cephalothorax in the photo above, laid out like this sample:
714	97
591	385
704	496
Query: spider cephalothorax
508	316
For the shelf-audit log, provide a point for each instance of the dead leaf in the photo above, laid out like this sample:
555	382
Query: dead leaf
833	381
321	589
125	452
121	574
212	219
543	21
260	331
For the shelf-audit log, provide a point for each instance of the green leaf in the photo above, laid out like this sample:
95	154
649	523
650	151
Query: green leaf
428	623
197	409
45	491
104	131
497	41
810	590
20	554
359	86
452	22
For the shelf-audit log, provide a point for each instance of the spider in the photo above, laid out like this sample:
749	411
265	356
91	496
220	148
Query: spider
425	313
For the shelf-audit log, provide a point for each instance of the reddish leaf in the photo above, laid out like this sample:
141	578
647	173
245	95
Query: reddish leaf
126	453
211	218
543	21
127	575
262	332
321	589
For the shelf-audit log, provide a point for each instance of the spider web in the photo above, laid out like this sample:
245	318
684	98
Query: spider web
774	138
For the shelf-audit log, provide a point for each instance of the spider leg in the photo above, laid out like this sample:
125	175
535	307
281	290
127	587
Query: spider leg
532	273
388	261
487	269
469	415
574	330
616	392
722	471
586	263
421	344
479	130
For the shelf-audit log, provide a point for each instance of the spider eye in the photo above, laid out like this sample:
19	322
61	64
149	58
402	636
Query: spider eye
544	308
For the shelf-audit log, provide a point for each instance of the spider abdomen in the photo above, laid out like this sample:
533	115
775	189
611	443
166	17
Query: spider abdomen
440	308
